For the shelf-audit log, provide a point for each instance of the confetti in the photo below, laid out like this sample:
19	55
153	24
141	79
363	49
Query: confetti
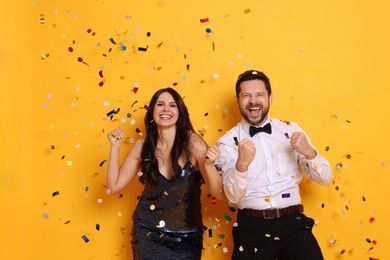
97	226
112	40
235	141
138	132
143	48
42	19
227	217
85	238
101	164
135	88
204	20
56	193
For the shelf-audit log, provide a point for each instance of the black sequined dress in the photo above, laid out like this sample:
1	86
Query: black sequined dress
167	222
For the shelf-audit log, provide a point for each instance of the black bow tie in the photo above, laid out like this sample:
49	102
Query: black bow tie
254	130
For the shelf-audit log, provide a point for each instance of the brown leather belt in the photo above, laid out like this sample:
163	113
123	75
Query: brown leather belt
271	213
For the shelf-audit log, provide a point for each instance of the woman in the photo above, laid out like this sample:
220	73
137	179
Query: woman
174	162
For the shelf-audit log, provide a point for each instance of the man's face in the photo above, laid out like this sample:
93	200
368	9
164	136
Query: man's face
254	101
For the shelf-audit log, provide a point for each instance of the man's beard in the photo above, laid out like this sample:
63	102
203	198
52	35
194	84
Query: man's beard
264	115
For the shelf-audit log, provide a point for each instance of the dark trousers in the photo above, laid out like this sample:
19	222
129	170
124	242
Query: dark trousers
285	238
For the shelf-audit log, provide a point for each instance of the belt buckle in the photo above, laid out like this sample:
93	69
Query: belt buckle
265	214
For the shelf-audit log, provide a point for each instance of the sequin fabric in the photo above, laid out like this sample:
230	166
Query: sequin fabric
168	220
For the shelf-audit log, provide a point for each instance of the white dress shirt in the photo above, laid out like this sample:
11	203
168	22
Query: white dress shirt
273	177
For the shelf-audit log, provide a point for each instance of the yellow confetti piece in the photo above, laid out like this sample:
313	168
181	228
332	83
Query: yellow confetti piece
69	163
152	207
247	11
267	235
267	199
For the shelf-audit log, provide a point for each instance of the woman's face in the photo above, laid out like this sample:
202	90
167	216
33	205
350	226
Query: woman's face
165	112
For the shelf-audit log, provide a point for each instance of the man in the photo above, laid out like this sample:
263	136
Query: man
263	161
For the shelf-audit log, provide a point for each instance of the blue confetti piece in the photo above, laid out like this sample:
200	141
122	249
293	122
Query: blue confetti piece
210	233
86	188
112	41
56	193
85	238
97	227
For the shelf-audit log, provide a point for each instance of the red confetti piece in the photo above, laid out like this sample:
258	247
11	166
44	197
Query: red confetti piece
159	45
89	31
79	59
101	74
70	49
213	200
204	20
372	220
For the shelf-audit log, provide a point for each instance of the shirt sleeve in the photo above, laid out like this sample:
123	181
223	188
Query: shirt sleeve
317	169
234	182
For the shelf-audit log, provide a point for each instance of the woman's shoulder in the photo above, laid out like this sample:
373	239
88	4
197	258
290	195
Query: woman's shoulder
196	140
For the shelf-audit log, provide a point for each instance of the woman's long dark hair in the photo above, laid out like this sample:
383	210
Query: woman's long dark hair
183	128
